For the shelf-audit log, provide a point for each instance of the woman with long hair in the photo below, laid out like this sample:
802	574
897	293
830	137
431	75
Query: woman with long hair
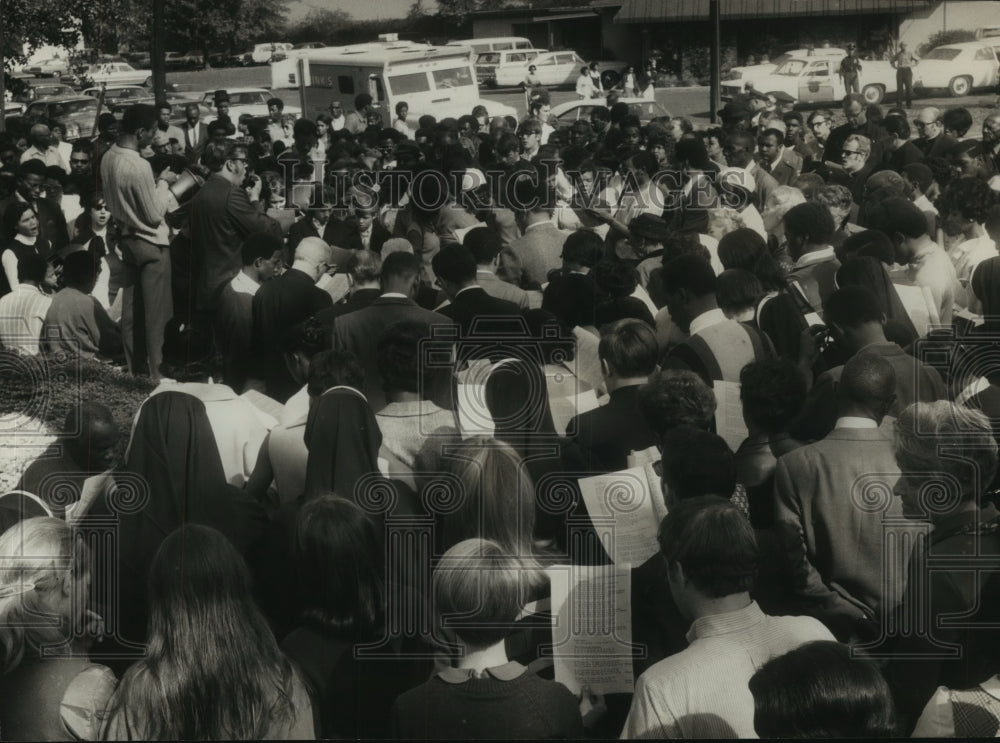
213	670
49	690
345	603
21	237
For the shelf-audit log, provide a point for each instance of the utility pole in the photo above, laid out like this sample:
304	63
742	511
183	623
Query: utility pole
158	52
715	69
3	74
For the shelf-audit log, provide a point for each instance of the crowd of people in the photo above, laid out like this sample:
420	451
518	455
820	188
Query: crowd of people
387	355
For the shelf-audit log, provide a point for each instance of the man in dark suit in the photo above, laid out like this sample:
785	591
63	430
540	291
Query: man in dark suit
485	321
221	216
833	545
371	233
195	133
281	303
931	139
362	268
608	434
317	222
856	113
29	186
783	163
358	332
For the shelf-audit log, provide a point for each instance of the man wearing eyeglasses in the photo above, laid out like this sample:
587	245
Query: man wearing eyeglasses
856	113
819	125
931	139
221	216
855	159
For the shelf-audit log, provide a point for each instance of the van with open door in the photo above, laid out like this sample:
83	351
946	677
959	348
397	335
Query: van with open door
431	80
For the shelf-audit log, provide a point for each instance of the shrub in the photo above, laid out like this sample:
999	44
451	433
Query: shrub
951	36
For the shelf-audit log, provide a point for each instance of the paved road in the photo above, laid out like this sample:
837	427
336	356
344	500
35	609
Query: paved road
691	102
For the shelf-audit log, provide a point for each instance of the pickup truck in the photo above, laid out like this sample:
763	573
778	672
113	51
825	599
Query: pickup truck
817	80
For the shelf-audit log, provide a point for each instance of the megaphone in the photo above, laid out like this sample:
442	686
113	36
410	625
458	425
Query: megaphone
187	184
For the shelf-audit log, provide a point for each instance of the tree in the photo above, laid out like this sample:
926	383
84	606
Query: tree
28	24
321	24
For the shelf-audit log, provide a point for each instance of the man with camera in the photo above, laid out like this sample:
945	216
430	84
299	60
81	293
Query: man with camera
222	214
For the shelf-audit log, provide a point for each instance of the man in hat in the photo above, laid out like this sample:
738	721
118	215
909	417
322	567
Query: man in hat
850	67
221	216
931	139
735	116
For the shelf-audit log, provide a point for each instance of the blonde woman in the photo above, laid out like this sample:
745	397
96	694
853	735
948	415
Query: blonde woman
49	689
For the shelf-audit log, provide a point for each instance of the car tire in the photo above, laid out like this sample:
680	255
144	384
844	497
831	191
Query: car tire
148	82
873	94
959	86
610	79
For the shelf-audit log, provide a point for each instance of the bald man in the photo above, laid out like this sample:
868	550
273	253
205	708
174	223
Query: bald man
74	464
281	303
44	147
832	540
931	139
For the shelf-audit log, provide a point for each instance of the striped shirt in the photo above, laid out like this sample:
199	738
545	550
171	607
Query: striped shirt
22	315
703	691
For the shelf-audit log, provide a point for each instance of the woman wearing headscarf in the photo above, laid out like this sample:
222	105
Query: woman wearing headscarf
871	274
343	440
173	452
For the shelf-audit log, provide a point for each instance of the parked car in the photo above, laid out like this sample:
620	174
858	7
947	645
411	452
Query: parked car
757	71
567	113
42	91
959	67
49	67
115	95
817	80
77	114
119	73
251	101
554	69
175	61
488	63
192	60
263	53
139	59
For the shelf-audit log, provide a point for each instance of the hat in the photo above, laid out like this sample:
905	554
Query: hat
782	97
221	96
472	179
650	227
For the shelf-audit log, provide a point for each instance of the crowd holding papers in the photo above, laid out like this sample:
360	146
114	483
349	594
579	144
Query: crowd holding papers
626	508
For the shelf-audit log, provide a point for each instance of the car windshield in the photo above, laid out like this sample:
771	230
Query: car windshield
791	68
454	77
69	108
780	60
943	52
412	82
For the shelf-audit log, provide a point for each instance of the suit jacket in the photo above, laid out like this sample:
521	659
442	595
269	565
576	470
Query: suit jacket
193	153
915	382
359	332
607	434
486	323
220	218
937	147
817	281
452	217
343	233
787	167
51	221
539	250
834	546
355	301
495	287
764	183
278	305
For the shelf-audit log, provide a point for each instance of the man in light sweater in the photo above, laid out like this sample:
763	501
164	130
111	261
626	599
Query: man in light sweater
139	204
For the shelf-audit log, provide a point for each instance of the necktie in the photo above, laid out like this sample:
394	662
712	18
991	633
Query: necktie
194	135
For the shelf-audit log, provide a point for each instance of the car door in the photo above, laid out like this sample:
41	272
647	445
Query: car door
569	70
816	83
546	70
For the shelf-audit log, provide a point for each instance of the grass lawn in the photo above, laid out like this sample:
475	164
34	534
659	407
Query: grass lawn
39	392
